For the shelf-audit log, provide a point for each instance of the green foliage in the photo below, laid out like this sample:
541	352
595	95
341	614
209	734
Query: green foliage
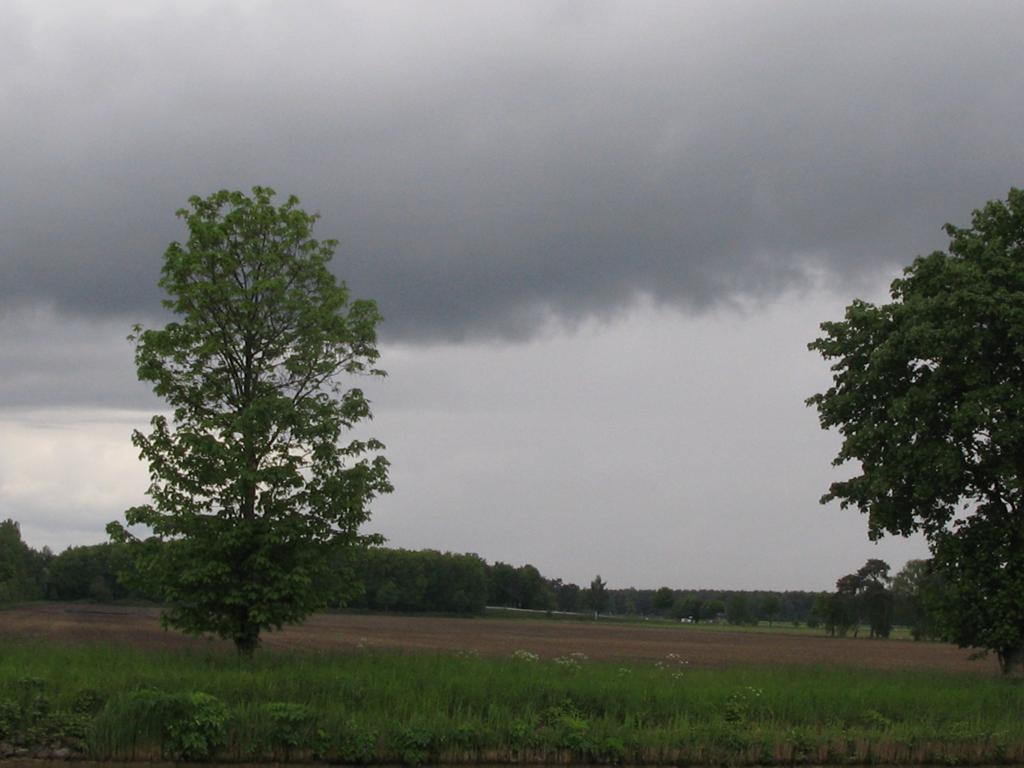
291	726
523	587
569	596
565	726
875	597
188	725
713	609
928	394
663	600
29	716
198	728
23	571
876	720
355	742
10	714
840	613
86	702
597	595
738	610
375	579
403	580
918	590
252	495
769	607
689	607
101	572
981	565
741	704
860	596
415	745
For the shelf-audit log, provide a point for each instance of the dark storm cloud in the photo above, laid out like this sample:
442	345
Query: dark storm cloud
48	361
490	166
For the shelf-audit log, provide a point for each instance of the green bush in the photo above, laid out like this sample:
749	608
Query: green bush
199	729
86	702
184	726
10	714
355	743
291	726
565	726
415	745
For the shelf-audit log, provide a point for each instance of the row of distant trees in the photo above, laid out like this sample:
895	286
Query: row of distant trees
396	580
377	579
873	600
75	574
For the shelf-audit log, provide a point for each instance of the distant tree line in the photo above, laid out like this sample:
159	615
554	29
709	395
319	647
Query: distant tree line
22	569
78	573
409	581
404	581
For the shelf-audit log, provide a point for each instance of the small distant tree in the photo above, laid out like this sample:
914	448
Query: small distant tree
714	609
875	597
388	595
819	612
859	597
503	587
843	607
623	601
770	607
919	591
569	597
737	609
663	599
533	589
688	607
597	596
253	491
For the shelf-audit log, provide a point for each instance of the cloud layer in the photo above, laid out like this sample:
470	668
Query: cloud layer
490	166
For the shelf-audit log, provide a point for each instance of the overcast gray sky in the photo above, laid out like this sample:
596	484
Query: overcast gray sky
601	234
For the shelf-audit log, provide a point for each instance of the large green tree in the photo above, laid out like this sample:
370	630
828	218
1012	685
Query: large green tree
255	485
928	394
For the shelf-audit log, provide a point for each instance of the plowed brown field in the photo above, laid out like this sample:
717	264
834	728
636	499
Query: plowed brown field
702	647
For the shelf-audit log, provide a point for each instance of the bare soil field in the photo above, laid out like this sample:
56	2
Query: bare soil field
139	626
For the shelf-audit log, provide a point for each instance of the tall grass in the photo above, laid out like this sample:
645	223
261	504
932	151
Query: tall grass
414	708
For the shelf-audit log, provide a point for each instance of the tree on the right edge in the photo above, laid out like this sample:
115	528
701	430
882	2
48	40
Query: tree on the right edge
928	395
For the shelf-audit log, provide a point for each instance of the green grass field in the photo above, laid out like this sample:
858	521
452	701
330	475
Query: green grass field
117	704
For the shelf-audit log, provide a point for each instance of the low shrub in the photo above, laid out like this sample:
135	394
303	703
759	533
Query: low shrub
179	726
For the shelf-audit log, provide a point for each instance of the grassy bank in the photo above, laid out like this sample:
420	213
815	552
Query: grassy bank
115	703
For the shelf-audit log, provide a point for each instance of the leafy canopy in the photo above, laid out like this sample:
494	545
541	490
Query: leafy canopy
252	491
928	394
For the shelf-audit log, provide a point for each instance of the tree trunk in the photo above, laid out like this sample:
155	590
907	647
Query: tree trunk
1010	660
247	634
247	641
